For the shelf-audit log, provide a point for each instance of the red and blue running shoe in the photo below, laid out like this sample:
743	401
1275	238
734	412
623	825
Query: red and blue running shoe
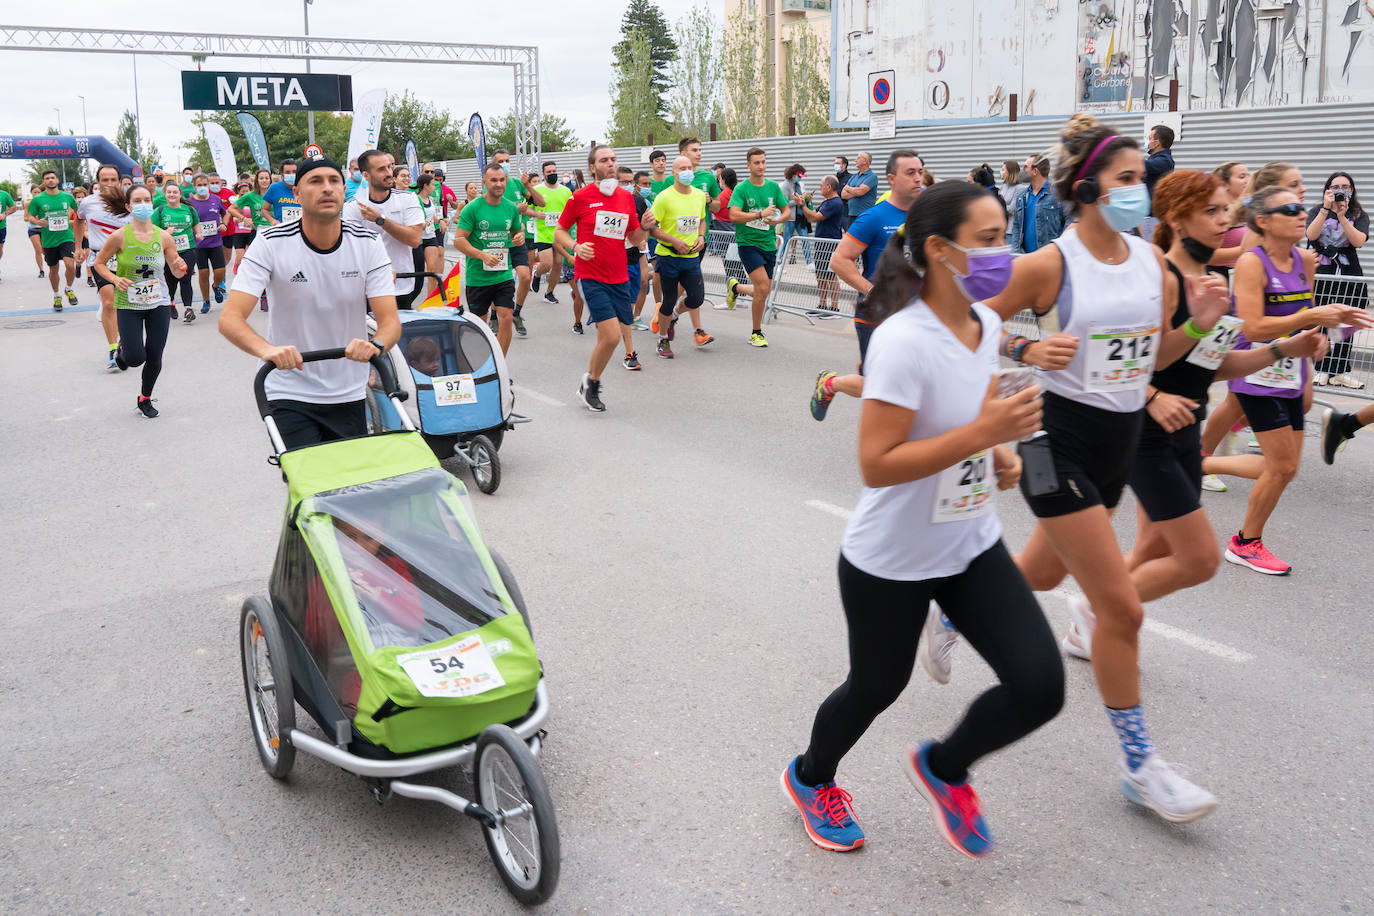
954	806
826	812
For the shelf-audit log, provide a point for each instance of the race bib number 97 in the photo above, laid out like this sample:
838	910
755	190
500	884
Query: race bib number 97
612	225
1119	358
454	389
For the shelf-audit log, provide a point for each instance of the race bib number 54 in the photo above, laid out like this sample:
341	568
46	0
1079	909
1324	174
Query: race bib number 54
1119	357
460	669
964	490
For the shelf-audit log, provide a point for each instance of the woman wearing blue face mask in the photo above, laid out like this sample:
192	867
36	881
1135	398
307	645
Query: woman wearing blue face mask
141	251
931	455
1107	290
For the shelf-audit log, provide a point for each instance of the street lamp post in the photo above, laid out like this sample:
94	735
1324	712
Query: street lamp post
84	128
309	115
62	163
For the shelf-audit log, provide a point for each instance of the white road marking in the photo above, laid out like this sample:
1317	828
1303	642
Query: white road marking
536	396
1168	631
829	508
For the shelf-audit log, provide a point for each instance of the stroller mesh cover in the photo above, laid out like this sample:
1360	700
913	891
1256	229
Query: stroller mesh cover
385	577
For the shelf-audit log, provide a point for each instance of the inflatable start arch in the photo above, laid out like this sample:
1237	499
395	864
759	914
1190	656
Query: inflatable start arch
59	147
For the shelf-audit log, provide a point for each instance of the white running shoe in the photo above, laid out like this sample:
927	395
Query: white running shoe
1213	483
936	649
1078	642
1253	443
1345	381
1160	786
1320	378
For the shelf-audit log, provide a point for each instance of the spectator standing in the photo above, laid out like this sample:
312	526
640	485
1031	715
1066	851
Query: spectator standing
1037	217
860	192
842	171
1011	182
1161	159
793	188
826	219
1336	229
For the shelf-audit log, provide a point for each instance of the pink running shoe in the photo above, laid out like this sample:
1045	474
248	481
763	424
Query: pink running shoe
1256	556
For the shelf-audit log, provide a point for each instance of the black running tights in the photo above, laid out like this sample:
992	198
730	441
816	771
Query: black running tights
174	282
993	609
142	338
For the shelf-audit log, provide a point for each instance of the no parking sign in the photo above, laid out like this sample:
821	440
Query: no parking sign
882	90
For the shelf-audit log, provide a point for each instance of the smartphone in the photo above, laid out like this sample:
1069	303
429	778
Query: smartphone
1037	466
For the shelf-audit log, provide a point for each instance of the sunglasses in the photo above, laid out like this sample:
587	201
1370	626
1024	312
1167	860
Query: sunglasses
1285	210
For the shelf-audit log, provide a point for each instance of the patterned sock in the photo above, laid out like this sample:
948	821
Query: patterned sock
829	384
1134	736
1349	425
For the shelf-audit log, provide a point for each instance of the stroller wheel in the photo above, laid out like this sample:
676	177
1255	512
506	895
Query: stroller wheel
485	463
513	587
267	686
524	843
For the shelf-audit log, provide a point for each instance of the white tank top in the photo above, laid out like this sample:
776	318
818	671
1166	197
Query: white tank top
1115	311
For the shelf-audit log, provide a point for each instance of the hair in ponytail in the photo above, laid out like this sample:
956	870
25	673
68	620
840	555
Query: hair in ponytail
940	210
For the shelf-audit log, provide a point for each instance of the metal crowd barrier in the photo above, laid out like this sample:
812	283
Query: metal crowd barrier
1348	368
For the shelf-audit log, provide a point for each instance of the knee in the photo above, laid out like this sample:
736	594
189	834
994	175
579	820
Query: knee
1201	564
1122	615
1285	469
1041	580
665	308
1041	695
134	360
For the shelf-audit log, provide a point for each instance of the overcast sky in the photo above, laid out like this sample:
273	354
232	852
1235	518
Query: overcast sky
574	59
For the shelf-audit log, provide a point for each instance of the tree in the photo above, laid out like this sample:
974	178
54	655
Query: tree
126	138
633	114
12	190
746	69
645	18
554	133
806	82
438	135
74	169
696	97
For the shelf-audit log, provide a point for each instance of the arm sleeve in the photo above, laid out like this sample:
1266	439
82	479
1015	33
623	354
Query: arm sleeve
377	263
890	374
255	270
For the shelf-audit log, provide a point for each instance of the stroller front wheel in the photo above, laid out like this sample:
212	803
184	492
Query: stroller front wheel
267	686
485	464
524	843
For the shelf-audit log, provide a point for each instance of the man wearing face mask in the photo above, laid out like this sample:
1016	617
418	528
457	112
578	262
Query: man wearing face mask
393	215
842	170
520	190
555	197
281	196
680	223
353	179
211	214
605	217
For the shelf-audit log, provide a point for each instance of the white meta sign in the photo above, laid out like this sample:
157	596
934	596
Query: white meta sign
259	91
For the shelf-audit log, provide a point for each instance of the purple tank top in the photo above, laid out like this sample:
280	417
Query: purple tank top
1284	294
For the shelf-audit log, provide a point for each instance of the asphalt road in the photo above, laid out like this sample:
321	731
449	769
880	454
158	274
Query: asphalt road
678	554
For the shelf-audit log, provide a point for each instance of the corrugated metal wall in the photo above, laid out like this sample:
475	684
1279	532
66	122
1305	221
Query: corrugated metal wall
1317	138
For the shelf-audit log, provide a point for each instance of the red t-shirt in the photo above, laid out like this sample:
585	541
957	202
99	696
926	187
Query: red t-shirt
233	224
724	215
605	222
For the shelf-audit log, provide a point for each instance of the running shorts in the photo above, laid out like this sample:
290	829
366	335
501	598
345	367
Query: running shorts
482	298
753	258
206	258
1265	413
1166	473
608	300
1093	450
51	256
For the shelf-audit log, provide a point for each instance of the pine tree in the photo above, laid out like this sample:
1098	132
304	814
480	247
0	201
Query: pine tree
644	17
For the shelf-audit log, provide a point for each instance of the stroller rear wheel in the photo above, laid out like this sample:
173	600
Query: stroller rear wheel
524	843
267	686
485	463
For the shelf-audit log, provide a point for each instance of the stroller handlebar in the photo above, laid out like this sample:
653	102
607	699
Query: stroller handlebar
383	366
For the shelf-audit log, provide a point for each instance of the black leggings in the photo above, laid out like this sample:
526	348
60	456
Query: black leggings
173	283
993	608
693	286
136	350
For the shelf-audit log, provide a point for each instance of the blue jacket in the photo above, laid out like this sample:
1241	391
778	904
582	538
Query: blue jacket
1049	219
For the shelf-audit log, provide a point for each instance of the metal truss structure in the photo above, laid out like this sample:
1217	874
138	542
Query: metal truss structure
524	61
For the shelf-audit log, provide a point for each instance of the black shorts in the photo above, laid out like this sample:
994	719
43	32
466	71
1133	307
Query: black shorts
1265	413
100	281
1166	473
431	242
34	230
205	258
482	298
520	256
542	246
52	255
301	423
239	239
1093	450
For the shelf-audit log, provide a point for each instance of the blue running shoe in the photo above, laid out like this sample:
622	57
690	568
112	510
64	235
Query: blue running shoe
219	293
826	812
205	307
954	806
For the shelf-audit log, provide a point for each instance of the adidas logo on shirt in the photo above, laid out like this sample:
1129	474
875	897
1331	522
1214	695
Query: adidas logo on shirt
299	278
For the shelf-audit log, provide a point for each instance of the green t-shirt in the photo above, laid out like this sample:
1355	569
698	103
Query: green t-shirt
750	197
57	210
5	203
515	190
705	179
489	229
658	187
679	215
253	201
180	221
159	200
555	199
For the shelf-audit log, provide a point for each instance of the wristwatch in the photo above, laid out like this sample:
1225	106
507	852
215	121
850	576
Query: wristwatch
380	220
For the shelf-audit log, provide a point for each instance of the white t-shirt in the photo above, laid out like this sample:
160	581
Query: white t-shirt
914	361
100	222
402	208
319	301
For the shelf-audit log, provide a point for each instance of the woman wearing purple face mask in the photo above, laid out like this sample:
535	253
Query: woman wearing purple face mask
926	528
1109	292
